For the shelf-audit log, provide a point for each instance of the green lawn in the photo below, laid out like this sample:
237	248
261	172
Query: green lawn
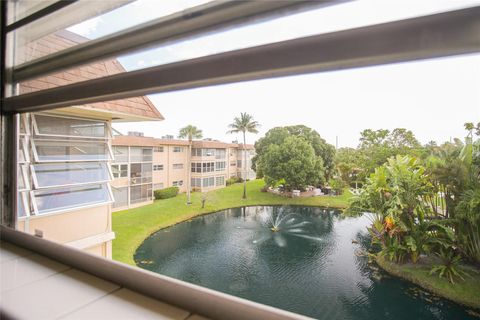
463	292
132	226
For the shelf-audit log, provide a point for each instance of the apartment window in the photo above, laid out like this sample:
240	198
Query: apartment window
233	163
196	182
120	154
141	154
55	126
196	152
120	195
220	181
208	152
140	173
64	151
63	174
208	166
67	198
141	193
220	153
120	170
239	163
178	149
178	183
220	166
178	166
208	182
157	167
158	149
158	186
196	167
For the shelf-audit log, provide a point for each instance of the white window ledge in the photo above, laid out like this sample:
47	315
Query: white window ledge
71	273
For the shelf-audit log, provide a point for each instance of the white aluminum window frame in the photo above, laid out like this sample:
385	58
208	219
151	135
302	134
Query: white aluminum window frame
24	120
119	164
24	177
70	209
35	153
23	147
38	187
159	166
23	198
37	131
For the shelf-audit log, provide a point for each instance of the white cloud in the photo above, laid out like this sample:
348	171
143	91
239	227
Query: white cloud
87	27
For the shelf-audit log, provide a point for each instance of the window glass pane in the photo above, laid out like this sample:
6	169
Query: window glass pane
220	153
51	200
21	178
58	126
49	175
121	197
141	154
22	154
21	202
70	151
220	181
140	173
120	154
141	193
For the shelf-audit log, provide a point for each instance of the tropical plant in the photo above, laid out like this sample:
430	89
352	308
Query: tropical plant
450	267
244	124
467	224
189	132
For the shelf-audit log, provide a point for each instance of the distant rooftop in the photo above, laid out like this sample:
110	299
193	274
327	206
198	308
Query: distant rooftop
130	109
141	141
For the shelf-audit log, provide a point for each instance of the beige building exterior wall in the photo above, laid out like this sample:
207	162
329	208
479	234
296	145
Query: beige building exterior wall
88	229
168	158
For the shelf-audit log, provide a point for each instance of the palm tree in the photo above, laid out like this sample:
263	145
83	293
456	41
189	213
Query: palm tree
244	124
189	132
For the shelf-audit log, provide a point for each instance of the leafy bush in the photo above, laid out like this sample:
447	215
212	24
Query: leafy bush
233	180
450	267
166	193
337	185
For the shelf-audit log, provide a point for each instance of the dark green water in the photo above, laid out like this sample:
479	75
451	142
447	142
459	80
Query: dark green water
310	266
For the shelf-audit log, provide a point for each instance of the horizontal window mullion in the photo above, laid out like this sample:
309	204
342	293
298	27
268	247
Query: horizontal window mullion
81	173
56	6
437	35
193	21
70	198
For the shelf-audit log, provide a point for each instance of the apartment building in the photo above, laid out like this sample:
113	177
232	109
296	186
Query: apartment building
144	164
65	156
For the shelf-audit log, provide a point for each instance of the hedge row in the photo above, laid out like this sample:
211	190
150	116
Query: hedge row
166	193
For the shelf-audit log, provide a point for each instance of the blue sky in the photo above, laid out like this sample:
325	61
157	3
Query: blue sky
433	98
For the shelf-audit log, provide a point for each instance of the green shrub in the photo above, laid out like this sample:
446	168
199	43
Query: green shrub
166	193
233	180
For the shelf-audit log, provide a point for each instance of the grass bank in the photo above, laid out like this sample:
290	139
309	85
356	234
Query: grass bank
462	292
132	226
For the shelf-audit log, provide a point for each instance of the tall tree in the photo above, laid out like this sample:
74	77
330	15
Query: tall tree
244	124
278	135
189	132
294	162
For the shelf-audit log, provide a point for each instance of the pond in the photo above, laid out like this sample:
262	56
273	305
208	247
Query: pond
302	259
